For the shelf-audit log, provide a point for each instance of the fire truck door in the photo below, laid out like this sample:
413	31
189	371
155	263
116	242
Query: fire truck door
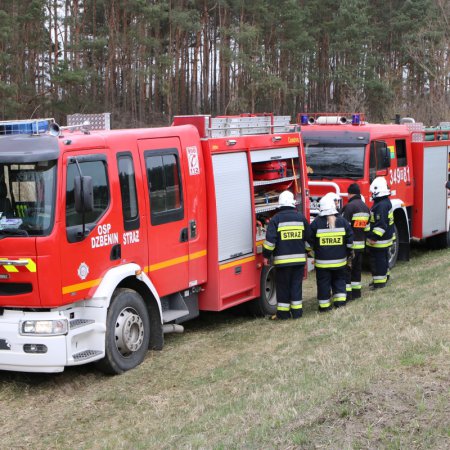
168	234
88	246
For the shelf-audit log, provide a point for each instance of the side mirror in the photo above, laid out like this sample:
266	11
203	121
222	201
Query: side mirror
387	158
84	194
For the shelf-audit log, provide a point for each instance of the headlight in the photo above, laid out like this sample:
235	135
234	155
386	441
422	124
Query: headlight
44	327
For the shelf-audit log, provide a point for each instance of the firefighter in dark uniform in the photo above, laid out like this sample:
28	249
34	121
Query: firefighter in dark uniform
331	240
285	241
381	233
357	213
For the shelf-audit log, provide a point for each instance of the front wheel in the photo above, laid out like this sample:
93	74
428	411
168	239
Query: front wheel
127	332
266	303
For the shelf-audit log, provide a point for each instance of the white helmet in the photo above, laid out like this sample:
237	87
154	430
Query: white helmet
333	195
327	206
286	198
379	188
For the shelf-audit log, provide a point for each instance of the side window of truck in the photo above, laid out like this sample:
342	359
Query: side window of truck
127	181
400	150
164	185
378	160
95	168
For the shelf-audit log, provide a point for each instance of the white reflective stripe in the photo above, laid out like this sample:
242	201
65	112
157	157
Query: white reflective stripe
296	303
340	295
324	302
387	241
331	261
349	245
290	224
332	230
380	277
360	215
380	230
284	305
358	243
295	256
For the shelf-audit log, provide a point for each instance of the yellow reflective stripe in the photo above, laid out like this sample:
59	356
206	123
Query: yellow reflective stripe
296	306
30	266
174	261
324	305
327	266
80	286
287	261
332	234
268	246
283	308
236	263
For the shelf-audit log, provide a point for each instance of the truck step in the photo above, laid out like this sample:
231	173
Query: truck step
86	354
173	314
77	323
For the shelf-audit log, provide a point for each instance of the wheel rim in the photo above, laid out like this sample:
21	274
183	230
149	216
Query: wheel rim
129	331
269	288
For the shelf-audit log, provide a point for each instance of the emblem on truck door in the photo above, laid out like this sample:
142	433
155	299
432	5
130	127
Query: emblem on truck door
83	270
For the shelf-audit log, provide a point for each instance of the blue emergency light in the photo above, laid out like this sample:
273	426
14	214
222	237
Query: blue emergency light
23	127
356	119
304	119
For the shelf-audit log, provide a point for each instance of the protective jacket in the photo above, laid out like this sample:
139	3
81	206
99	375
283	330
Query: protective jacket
381	223
332	246
357	213
285	237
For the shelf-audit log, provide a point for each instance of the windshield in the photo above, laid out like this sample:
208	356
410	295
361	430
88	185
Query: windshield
335	161
27	198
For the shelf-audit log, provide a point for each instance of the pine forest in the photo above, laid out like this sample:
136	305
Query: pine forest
145	61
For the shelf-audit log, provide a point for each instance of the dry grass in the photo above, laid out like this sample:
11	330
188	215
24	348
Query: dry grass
375	374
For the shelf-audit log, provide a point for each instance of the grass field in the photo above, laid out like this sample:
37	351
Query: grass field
375	374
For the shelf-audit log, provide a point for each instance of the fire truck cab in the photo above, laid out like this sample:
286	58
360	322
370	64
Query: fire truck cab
343	148
108	239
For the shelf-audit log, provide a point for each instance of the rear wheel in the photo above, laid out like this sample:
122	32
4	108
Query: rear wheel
127	332
439	241
266	304
393	249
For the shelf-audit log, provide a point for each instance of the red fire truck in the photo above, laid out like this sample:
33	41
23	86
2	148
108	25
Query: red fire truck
108	239
343	148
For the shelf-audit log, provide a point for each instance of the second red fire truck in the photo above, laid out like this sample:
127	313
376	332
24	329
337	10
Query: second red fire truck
343	148
110	238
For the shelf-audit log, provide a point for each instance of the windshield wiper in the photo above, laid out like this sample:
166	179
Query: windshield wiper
13	232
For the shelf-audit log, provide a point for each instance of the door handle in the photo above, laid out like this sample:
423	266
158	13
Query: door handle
193	227
184	235
116	252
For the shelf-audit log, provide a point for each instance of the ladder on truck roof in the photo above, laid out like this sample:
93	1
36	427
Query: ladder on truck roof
238	125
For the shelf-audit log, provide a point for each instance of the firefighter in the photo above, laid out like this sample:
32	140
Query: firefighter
357	213
331	239
381	233
285	241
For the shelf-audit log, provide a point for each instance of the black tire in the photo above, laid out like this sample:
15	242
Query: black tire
440	241
127	333
266	304
393	249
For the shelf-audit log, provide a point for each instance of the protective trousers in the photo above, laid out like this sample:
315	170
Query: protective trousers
353	277
379	262
289	291
330	287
